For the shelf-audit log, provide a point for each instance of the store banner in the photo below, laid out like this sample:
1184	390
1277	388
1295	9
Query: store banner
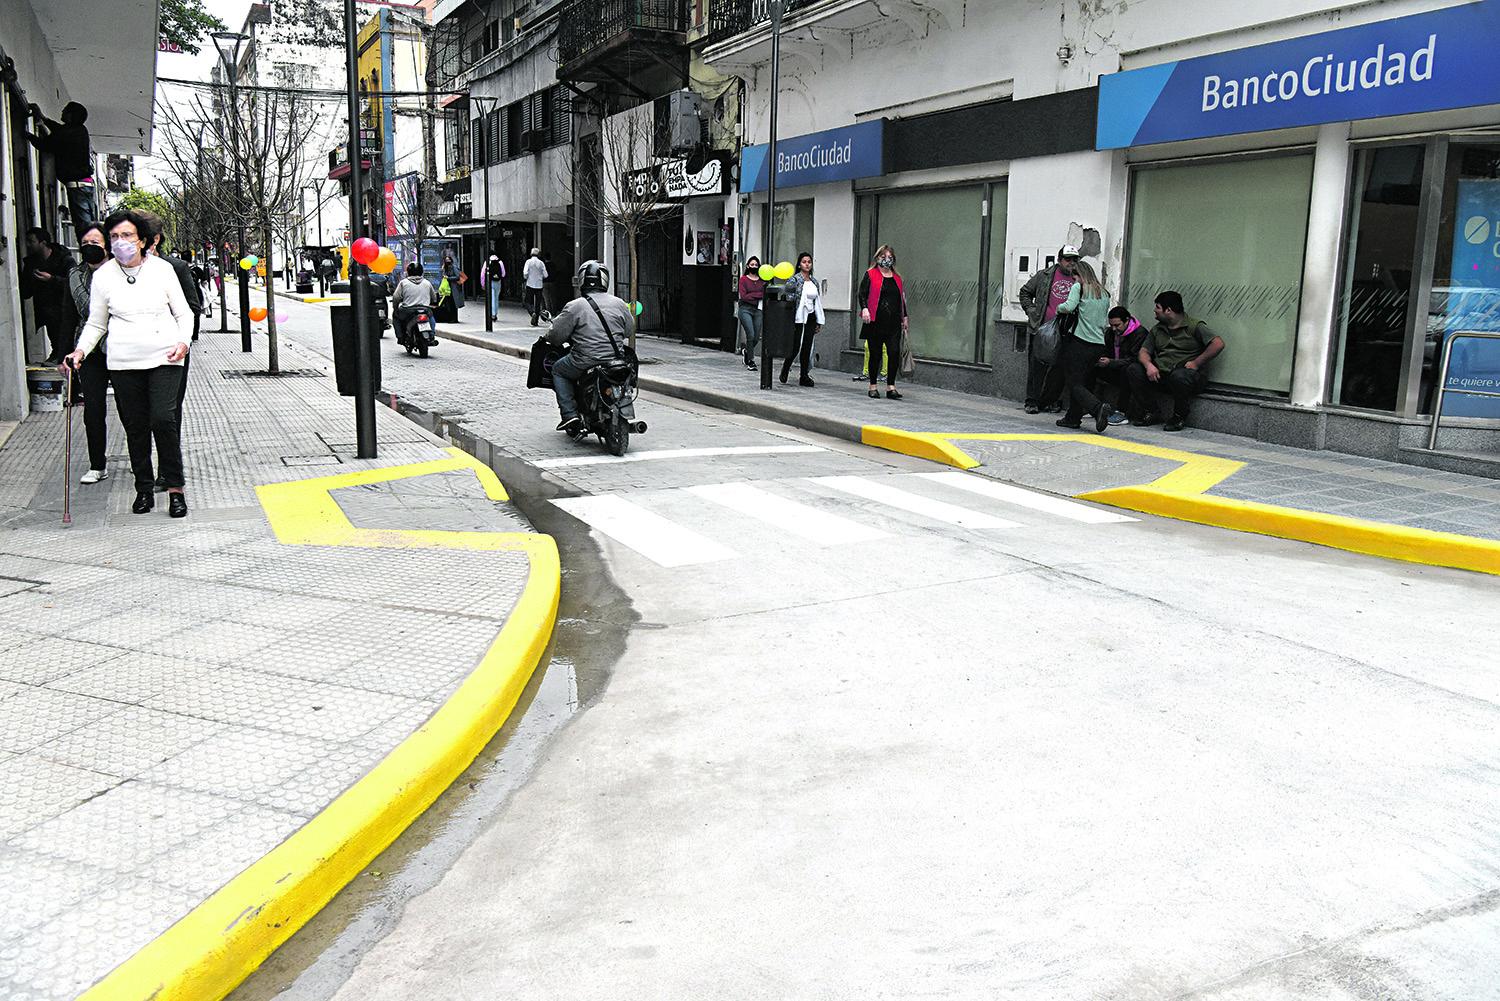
1423	62
401	203
1471	299
835	155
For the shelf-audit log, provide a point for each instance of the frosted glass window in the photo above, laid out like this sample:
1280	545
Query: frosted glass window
936	235
1230	236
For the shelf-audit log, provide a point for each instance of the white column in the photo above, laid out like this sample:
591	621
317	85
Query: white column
1327	216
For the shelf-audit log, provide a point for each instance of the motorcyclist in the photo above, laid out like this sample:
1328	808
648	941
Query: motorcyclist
577	324
414	294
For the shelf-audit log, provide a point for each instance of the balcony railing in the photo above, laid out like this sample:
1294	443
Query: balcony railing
727	18
586	25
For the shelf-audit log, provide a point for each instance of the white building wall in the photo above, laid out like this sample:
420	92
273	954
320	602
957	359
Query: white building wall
532	187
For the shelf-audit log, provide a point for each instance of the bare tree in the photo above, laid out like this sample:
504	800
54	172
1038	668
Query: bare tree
200	187
622	187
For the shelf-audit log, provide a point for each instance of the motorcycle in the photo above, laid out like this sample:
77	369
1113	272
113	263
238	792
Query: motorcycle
606	402
413	332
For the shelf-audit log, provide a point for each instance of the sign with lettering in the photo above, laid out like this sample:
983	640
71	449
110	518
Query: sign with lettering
1424	62
835	155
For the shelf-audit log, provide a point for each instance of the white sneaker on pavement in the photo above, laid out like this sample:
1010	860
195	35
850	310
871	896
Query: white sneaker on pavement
94	476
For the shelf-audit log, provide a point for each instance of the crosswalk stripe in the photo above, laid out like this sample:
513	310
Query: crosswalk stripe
1022	497
794	518
659	540
565	462
884	493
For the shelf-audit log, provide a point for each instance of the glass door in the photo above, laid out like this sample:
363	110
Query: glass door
1375	309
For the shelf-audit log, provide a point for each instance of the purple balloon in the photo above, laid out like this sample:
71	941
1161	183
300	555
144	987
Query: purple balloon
282	317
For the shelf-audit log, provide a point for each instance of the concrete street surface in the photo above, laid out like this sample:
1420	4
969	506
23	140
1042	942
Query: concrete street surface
873	733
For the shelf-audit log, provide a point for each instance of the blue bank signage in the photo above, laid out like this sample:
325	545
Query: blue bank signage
836	155
1423	62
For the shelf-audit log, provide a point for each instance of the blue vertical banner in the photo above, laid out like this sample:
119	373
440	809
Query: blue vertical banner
1471	299
1423	62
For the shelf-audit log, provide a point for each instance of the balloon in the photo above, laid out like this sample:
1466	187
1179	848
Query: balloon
364	250
639	309
257	313
384	262
282	317
246	263
784	270
767	272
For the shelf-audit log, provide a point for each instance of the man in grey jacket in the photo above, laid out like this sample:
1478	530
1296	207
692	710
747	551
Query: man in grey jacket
1040	297
578	324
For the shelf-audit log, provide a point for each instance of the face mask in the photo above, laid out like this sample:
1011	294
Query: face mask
92	253
886	262
124	250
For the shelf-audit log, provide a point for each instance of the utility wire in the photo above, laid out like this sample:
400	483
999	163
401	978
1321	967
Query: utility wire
310	91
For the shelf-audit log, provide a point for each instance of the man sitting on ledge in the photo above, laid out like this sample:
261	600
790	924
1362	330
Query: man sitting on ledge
1172	363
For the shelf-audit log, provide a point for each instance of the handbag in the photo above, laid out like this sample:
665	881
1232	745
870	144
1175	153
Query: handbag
1046	343
544	355
908	360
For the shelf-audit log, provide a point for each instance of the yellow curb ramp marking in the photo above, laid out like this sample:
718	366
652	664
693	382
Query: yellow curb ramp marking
210	951
1182	494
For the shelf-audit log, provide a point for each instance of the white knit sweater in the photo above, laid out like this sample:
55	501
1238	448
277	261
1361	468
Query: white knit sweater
143	320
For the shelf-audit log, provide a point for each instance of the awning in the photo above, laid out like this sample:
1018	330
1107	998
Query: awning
342	170
106	61
459	228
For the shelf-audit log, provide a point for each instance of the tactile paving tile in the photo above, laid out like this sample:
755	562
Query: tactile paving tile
222	642
240	762
129	742
47	659
222	851
35	790
131	678
42	714
292	611
316	654
50	614
23	872
128	629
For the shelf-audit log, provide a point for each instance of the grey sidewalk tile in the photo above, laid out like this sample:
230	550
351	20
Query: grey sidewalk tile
50	658
222	642
34	717
23	873
131	678
240	762
35	790
128	742
202	865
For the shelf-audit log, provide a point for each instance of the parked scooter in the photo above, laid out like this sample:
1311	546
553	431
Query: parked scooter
413	331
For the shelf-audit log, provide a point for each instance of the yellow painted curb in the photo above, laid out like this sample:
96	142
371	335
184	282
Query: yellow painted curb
209	952
1182	494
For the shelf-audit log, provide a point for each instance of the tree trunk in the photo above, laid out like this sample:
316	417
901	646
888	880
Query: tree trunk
635	288
275	364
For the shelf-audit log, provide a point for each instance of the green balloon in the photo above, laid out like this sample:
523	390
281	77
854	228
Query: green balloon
639	309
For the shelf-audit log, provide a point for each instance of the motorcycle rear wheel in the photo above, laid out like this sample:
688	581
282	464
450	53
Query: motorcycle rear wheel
422	350
617	434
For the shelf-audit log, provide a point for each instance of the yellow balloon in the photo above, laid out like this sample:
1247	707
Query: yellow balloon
246	264
385	262
784	270
767	272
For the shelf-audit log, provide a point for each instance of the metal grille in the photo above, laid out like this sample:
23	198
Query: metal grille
260	373
587	24
727	18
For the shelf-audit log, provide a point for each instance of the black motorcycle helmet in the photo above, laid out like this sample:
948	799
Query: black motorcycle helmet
593	277
414	270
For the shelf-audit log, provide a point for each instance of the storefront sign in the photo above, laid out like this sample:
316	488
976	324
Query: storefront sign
401	203
1471	300
671	181
836	155
1425	62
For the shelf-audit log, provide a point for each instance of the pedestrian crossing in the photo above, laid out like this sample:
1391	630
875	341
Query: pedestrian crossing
875	505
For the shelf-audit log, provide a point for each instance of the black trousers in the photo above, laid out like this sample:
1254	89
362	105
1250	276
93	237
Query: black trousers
1044	383
888	341
59	336
93	379
534	302
182	389
1078	361
146	399
1180	385
1114	374
805	334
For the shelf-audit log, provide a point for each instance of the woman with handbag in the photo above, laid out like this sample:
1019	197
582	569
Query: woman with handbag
1082	350
751	291
803	289
882	301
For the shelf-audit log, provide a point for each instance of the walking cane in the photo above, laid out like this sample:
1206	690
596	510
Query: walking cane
68	446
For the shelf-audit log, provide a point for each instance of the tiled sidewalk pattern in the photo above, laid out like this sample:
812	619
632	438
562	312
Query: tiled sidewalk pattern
176	697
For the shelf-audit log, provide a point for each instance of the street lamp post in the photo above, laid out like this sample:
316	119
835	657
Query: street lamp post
484	240
317	186
359	274
777	9
228	43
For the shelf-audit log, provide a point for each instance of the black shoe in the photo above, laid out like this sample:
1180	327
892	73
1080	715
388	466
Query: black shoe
533	321
1149	419
1056	408
1032	408
176	505
1173	424
784	374
805	381
144	502
570	424
161	485
1063	422
1101	419
891	394
750	364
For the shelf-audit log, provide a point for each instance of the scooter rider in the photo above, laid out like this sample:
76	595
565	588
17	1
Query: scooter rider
579	325
414	293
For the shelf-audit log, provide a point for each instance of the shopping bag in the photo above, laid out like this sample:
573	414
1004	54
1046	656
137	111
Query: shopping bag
908	360
544	355
1046	343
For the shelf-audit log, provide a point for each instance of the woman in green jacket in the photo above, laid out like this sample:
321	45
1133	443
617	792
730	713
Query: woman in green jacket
1082	349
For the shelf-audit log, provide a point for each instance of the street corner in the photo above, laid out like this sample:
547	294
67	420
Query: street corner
216	945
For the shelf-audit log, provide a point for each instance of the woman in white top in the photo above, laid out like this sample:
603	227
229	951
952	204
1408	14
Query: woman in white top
808	319
138	301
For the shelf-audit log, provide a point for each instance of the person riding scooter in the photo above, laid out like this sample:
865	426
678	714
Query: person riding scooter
413	295
581	324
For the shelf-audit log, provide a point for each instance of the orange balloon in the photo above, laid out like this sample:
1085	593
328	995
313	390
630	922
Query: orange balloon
257	313
385	261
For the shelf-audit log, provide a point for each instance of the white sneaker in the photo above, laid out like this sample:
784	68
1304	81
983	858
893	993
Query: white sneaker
94	476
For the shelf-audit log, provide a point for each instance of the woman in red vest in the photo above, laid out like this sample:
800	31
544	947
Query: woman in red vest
882	300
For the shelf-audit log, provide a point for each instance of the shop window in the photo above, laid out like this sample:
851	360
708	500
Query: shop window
994	290
1466	283
1376	302
1230	236
794	231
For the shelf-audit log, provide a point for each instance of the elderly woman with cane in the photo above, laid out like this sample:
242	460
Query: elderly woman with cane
138	302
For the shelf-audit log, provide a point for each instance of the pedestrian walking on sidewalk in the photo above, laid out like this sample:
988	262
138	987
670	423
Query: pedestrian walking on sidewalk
195	302
1083	349
1040	297
535	271
137	301
455	280
808	319
882	301
93	376
490	279
752	290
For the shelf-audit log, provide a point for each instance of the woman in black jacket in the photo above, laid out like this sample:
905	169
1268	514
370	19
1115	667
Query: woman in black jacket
882	302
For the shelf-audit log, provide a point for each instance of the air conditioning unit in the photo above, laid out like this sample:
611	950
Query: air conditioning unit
684	120
534	140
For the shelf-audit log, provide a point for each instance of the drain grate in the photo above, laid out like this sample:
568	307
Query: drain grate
260	373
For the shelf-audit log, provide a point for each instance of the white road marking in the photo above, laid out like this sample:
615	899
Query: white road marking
884	493
659	540
793	517
673	453
1022	497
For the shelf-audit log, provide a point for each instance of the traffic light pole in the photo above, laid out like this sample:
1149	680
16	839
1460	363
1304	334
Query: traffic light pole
359	274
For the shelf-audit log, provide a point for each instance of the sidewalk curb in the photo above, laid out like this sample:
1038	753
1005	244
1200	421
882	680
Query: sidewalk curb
210	951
